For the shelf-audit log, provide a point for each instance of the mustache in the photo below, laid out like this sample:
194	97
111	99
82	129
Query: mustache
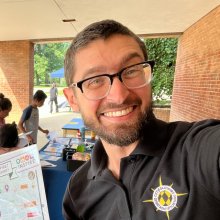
111	105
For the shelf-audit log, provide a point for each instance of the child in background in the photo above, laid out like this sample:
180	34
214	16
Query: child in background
30	118
5	108
8	138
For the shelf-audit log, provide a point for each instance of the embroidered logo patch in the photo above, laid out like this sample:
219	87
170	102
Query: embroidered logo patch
165	198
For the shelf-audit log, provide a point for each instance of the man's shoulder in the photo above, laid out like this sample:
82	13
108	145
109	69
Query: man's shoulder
183	130
185	125
208	122
203	123
197	126
197	135
205	129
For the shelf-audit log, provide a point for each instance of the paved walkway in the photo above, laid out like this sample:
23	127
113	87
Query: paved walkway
54	121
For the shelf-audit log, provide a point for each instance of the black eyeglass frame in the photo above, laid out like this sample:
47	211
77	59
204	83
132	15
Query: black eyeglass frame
111	77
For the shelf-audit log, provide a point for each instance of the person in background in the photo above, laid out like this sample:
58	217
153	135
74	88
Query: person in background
141	168
29	121
8	138
5	108
53	97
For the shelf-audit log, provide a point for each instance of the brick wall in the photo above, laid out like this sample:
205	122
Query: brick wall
162	113
196	92
17	75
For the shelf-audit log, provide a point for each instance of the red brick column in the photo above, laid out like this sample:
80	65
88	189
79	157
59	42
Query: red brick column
196	92
17	75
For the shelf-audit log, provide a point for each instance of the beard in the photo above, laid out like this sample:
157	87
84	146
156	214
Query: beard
124	134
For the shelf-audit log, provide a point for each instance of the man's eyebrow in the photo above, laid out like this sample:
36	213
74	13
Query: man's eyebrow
102	69
94	70
130	56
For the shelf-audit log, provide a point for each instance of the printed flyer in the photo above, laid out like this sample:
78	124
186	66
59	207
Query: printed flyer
22	193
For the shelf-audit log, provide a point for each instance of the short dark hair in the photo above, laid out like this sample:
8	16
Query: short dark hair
98	30
5	103
8	135
40	95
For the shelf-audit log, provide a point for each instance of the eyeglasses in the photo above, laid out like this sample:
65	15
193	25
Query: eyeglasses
133	77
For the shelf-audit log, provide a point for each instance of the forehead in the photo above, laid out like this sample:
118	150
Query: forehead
106	54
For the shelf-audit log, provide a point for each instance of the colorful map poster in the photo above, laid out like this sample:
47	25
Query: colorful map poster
22	193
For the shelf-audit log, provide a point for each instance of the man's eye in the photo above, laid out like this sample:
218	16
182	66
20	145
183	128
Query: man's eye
95	82
132	72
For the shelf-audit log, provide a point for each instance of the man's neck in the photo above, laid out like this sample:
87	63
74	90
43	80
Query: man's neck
115	154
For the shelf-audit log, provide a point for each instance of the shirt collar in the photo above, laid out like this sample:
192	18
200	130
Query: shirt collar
99	160
154	138
153	141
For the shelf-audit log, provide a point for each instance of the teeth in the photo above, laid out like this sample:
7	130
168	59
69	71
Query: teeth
119	113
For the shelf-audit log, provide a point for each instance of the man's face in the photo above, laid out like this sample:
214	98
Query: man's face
118	117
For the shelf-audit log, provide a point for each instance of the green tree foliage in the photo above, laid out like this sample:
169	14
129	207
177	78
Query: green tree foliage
48	58
163	52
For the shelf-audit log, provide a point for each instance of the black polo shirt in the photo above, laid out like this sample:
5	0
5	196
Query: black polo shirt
173	174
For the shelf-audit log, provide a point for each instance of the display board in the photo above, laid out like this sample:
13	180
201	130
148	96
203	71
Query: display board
22	193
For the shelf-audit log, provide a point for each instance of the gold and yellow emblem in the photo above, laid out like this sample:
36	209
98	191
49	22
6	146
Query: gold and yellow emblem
165	198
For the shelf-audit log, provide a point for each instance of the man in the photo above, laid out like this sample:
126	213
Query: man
29	121
53	97
141	168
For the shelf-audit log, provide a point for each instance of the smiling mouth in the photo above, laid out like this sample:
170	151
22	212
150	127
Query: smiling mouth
119	113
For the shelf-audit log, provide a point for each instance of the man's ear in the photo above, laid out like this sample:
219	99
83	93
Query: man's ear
68	92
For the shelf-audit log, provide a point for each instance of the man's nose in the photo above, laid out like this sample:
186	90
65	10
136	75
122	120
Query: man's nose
118	91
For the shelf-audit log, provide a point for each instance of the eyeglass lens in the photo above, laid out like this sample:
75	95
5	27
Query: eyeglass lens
132	77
